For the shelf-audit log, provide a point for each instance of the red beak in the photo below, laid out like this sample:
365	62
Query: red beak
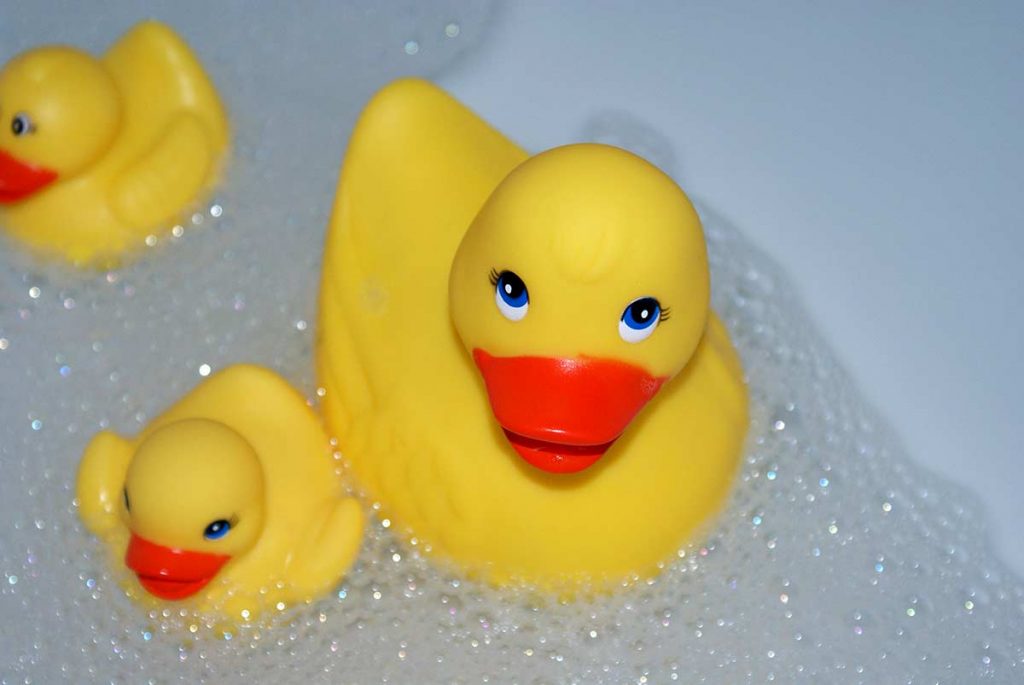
562	415
19	179
170	573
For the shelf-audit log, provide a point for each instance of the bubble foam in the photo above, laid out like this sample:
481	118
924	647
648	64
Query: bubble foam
837	559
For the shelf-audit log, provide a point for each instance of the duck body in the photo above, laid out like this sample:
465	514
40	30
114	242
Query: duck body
228	502
492	440
95	154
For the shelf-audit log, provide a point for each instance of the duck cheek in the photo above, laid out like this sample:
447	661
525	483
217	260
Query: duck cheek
579	402
19	180
171	573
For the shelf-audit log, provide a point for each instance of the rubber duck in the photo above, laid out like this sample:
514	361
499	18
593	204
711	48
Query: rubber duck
519	357
95	154
228	502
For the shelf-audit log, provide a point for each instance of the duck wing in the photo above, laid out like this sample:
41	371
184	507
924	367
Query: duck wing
100	485
331	546
160	78
174	128
400	386
168	176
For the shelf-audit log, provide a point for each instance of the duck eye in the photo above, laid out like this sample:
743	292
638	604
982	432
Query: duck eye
639	319
510	295
217	529
22	124
127	505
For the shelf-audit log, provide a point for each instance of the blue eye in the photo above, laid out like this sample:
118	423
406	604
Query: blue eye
217	529
510	295
639	319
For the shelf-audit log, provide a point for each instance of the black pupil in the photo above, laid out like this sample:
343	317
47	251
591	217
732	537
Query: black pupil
217	526
18	126
511	284
643	310
126	504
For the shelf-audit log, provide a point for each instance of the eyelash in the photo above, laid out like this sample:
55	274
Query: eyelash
494	276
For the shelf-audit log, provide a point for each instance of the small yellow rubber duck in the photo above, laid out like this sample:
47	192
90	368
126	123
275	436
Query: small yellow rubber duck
97	153
228	501
519	355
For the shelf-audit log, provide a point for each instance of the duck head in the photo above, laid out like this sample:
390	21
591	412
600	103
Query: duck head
580	289
59	113
194	500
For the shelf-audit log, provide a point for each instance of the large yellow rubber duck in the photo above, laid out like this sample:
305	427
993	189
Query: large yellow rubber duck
518	353
228	502
97	153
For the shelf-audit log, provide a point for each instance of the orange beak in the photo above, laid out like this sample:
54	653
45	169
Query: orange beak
170	573
562	415
20	179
